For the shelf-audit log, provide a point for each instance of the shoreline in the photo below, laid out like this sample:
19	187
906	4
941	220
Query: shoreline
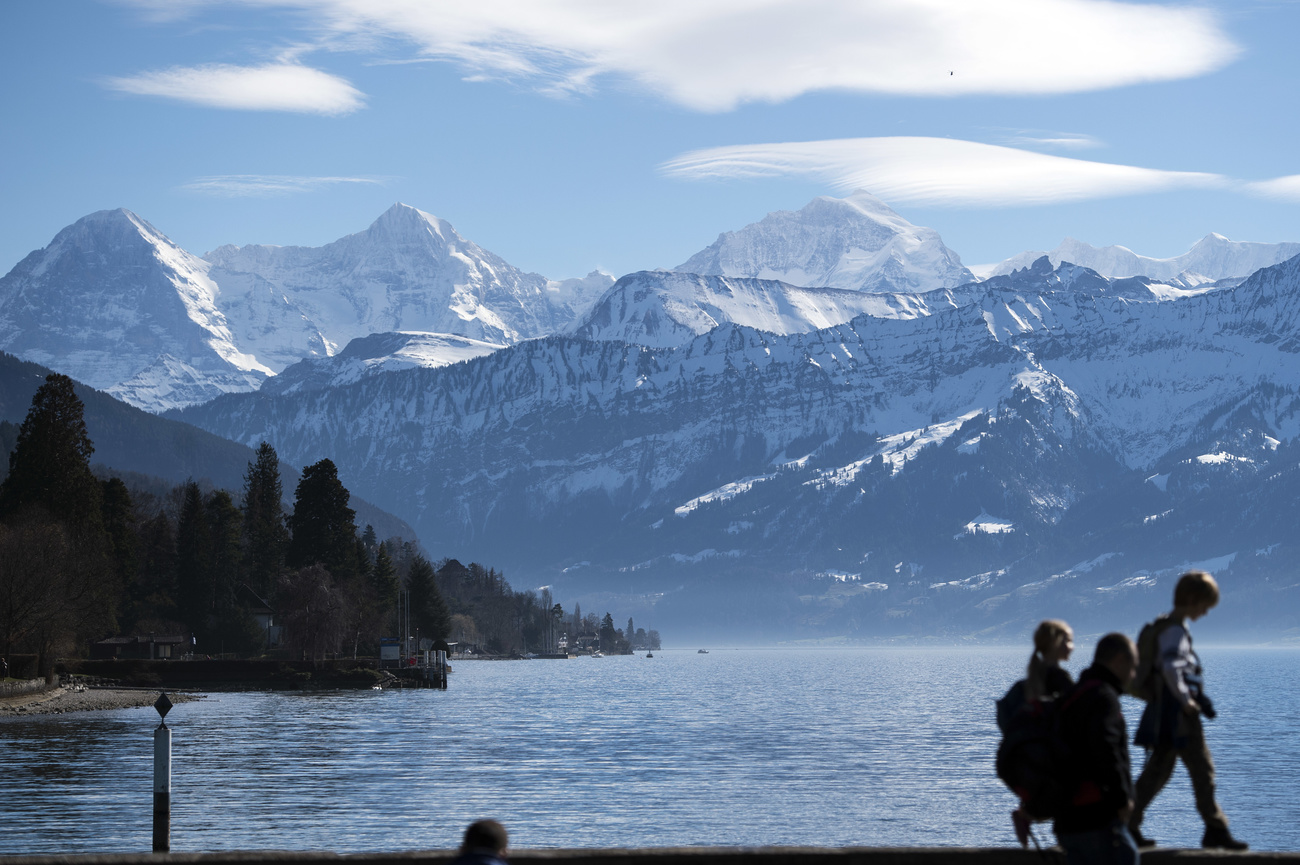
79	698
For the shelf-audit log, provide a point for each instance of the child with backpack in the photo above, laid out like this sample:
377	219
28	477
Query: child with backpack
1044	680
1171	681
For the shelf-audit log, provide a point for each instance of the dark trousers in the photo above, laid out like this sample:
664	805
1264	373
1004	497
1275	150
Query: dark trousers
1112	845
1195	755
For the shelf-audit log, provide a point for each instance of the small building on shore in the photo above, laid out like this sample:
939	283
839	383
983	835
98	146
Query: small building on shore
151	647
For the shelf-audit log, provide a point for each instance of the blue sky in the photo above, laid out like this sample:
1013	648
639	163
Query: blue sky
568	135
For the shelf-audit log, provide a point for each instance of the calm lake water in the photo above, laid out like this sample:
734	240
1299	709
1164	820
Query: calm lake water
735	747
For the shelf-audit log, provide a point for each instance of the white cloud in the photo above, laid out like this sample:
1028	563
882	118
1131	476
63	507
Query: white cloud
938	171
1283	188
712	55
1055	140
266	185
271	87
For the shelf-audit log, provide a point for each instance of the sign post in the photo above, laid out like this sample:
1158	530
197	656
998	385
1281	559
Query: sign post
162	778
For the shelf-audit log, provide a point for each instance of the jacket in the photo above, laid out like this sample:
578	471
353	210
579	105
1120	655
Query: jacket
1092	726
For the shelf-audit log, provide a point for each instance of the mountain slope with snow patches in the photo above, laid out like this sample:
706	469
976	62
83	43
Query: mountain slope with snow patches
110	297
955	440
663	308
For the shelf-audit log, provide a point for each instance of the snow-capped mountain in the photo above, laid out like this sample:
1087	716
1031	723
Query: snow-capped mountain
1211	259
408	271
374	354
115	303
664	308
111	299
857	243
955	442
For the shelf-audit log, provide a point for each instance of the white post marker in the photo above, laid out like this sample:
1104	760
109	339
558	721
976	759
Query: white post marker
162	778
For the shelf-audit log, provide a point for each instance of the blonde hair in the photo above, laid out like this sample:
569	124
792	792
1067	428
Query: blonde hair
1195	587
1050	634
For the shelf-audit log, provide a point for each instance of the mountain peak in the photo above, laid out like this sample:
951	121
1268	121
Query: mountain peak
404	220
857	243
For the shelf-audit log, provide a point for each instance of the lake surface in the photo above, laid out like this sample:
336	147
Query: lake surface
735	747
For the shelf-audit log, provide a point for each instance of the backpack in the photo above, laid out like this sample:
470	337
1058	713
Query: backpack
1033	759
1146	684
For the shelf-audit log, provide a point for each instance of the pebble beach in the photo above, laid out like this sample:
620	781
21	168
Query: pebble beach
79	698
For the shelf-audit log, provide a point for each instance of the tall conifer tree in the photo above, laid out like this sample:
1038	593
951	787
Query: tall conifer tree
265	534
50	464
323	527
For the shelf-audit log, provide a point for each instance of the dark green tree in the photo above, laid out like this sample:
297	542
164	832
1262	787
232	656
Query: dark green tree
323	527
608	635
50	464
384	584
266	537
195	588
119	519
428	610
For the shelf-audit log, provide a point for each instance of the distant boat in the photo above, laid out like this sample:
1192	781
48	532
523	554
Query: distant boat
702	652
649	654
597	654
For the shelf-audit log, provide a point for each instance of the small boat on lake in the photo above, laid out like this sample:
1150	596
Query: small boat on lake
702	652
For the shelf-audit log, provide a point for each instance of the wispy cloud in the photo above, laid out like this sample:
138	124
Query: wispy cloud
271	87
1053	140
266	185
938	171
1281	188
713	55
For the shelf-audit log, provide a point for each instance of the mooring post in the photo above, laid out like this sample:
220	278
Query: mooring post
162	778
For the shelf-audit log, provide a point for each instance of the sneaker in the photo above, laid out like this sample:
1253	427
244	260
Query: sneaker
1222	839
1141	840
1020	820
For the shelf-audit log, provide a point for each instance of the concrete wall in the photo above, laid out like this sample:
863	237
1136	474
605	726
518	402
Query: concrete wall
22	689
682	856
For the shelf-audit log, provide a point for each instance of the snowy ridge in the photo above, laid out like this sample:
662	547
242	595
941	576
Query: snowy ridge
374	354
115	303
1212	258
662	308
409	271
855	243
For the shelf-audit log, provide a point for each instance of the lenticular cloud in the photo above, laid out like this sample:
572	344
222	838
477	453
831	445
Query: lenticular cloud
713	55
273	87
937	171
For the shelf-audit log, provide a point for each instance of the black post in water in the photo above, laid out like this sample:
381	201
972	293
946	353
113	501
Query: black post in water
162	778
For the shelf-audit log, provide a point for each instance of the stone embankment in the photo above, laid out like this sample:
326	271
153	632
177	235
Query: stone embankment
81	698
680	856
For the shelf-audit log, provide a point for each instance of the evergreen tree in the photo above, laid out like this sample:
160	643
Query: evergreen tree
225	528
384	585
118	516
608	636
194	584
265	535
152	599
323	527
50	464
428	610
